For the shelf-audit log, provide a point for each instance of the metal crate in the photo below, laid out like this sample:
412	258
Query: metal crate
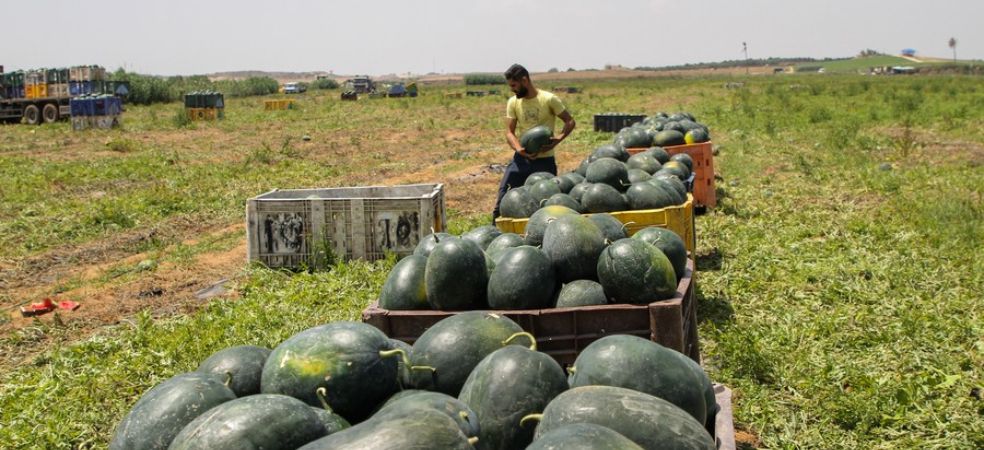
314	227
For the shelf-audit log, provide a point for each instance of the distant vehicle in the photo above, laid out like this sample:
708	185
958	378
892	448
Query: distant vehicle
44	95
294	88
822	70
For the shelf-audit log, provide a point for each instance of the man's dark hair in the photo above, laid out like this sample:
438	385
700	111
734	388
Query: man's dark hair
516	72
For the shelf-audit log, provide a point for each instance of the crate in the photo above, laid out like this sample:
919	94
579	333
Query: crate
58	90
204	113
613	122
563	332
722	427
278	105
36	90
703	156
80	123
312	227
679	219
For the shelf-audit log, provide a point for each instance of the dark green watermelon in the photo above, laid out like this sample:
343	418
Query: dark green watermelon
332	423
696	136
611	227
404	288
649	196
164	410
677	168
523	279
504	241
430	241
482	235
673	181
688	125
573	244
538	222
634	138
455	345
644	162
650	422
685	159
457	410
581	293
633	271
669	243
534	139
608	151
582	168
578	191
583	436
617	360
537	177
402	369
609	171
426	429
564	183
345	358
574	177
601	197
669	136
456	276
639	176
542	190
518	203
659	154
267	421
242	364
563	200
504	387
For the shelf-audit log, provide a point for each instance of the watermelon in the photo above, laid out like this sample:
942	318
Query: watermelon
609	171
456	276
404	288
402	368
601	197
669	243
482	235
267	421
537	177
649	421
669	136
534	139
518	203
331	422
350	360
643	161
573	244
563	200
542	190
633	271
583	436
688	125
638	176
659	154
523	279
574	177
242	364
457	410
611	227
455	345
538	222
667	375
608	151
504	241
633	138
685	159
428	243
649	196
581	293
578	191
564	183
507	385
427	428
677	168
668	179
164	410
582	168
696	136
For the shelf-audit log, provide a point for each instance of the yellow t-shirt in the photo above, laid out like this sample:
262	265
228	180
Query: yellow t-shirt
531	112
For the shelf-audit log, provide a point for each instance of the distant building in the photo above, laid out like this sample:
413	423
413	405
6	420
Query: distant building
910	52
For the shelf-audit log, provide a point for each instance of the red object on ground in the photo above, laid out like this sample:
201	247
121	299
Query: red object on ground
69	305
36	309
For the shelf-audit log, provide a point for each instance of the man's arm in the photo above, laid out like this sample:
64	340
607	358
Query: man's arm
569	125
512	140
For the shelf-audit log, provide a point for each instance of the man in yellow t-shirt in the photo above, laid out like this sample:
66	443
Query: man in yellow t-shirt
530	107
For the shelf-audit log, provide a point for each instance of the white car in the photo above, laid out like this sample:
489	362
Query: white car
294	88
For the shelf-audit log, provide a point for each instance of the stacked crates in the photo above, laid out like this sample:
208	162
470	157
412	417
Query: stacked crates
204	105
88	80
95	111
12	84
35	83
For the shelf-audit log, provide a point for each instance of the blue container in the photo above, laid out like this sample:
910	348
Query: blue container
74	88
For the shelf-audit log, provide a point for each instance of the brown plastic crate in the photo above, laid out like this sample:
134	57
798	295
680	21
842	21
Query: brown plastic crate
563	332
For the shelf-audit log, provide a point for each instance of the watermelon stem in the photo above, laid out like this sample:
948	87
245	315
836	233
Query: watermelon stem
473	440
536	417
521	333
228	380
394	352
626	225
322	394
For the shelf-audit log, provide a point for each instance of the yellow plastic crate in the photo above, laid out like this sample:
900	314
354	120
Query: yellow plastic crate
275	105
679	219
204	113
36	90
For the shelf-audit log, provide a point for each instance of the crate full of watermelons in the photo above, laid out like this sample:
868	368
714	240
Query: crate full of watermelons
570	280
474	380
639	190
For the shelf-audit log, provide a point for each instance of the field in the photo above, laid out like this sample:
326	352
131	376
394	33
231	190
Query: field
863	64
840	278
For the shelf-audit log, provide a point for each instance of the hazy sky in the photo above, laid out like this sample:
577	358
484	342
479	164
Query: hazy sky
190	37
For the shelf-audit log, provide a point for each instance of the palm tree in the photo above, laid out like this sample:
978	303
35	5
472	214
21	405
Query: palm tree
953	45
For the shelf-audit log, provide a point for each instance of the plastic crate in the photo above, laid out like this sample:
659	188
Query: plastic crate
311	227
204	113
613	122
679	219
703	156
275	105
563	332
80	123
36	91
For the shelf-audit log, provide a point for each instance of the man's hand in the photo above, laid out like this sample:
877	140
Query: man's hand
553	143
522	152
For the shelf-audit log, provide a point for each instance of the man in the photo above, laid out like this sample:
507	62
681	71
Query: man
530	107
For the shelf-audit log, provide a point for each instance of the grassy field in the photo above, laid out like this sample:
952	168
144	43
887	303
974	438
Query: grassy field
855	65
839	278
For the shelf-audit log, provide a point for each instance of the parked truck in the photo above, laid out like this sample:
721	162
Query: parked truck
44	95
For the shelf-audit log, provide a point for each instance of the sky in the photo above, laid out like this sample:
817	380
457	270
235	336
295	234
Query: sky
186	37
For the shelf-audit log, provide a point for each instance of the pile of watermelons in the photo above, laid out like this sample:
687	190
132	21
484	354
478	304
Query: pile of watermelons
564	260
472	381
662	130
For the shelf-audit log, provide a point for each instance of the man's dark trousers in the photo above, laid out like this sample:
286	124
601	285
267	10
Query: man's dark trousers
518	170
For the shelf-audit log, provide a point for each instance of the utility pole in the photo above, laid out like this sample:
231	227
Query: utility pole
953	45
744	48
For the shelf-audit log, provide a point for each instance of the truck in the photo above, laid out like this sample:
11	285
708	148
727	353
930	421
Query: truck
44	95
